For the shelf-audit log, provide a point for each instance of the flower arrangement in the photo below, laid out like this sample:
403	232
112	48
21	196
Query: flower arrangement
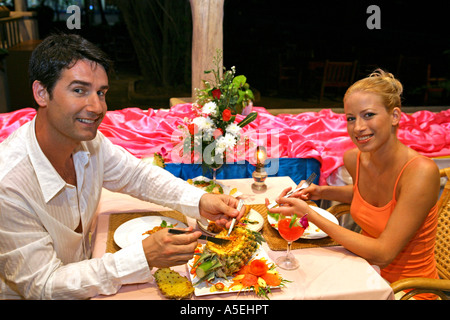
229	92
213	132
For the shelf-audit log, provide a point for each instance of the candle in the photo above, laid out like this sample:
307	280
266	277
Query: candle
260	155
259	175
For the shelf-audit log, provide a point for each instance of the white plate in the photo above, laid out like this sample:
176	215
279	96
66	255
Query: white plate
253	215
226	189
203	288
131	231
312	232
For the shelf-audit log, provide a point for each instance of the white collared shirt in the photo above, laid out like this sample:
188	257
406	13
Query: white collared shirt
41	256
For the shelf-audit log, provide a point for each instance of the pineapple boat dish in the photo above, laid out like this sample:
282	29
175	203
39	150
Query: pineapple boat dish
239	265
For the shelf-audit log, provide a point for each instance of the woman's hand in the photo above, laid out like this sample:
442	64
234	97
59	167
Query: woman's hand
313	192
289	206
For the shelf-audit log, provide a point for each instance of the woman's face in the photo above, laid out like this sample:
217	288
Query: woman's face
369	124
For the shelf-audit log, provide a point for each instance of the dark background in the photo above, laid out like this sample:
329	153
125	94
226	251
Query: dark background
261	37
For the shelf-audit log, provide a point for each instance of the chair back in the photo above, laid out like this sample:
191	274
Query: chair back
442	249
337	74
434	84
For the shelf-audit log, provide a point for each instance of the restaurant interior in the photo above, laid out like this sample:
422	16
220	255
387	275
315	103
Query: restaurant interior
287	51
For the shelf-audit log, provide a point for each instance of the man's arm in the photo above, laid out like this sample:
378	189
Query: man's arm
30	268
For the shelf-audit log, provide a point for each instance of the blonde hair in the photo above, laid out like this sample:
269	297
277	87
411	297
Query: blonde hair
383	84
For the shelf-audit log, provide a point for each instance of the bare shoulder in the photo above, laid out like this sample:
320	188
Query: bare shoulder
423	174
350	160
424	166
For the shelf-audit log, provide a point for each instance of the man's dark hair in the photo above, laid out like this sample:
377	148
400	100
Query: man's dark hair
62	51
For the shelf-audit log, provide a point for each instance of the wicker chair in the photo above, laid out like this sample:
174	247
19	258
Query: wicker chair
442	250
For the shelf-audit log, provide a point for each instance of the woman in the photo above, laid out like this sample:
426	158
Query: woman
395	189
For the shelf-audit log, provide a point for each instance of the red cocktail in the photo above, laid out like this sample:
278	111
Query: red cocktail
290	229
290	233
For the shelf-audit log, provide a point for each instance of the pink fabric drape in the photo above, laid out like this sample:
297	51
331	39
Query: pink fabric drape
319	135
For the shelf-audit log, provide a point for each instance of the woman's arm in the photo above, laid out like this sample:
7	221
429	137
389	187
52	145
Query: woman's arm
342	194
417	193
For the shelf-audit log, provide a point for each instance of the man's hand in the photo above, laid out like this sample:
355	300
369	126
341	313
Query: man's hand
220	208
163	249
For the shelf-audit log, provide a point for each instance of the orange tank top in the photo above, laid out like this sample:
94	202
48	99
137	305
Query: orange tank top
417	258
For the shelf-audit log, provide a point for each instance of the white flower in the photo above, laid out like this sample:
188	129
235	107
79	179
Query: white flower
233	129
208	134
229	140
220	145
203	124
205	127
210	108
225	142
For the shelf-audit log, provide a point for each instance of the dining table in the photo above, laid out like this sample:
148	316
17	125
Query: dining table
327	270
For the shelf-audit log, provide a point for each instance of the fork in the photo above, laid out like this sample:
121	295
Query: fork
239	207
304	185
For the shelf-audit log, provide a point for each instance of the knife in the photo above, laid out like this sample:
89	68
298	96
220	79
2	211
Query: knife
239	207
203	237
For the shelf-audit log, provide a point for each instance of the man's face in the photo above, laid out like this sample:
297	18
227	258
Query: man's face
78	105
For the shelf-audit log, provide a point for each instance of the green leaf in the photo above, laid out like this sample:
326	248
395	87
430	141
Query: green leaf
294	217
241	96
239	80
249	118
249	93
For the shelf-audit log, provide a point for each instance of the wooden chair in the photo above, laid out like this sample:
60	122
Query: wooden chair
434	84
442	250
337	74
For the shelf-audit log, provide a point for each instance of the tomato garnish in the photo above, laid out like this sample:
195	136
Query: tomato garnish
245	269
272	279
258	268
249	280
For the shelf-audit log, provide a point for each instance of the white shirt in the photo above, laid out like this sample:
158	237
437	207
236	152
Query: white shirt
41	256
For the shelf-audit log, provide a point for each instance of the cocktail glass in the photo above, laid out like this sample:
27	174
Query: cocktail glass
290	232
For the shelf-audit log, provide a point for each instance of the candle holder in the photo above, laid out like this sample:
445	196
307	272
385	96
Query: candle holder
260	175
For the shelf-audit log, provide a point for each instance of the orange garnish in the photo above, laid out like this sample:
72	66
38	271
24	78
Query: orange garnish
272	279
258	268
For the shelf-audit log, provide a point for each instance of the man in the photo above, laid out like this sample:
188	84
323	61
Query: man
53	171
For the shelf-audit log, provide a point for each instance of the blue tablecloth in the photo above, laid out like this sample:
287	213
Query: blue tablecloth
297	169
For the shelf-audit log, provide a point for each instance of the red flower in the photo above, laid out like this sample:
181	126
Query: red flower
193	129
226	115
217	133
216	93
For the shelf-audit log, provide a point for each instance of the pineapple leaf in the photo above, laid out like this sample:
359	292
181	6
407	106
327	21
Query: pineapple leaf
258	236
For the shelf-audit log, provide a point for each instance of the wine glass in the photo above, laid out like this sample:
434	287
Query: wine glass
290	232
214	168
